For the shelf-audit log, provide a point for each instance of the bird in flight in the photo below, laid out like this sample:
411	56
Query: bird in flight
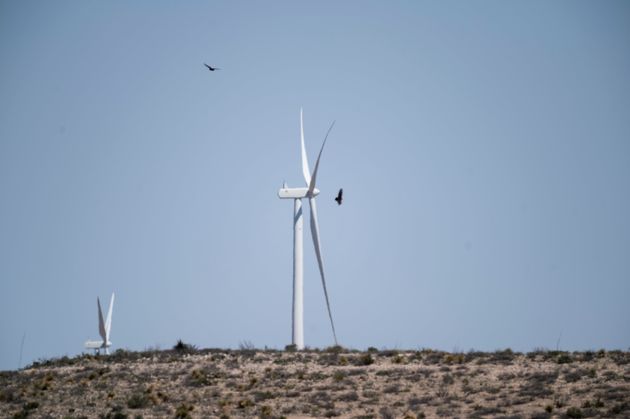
339	197
211	68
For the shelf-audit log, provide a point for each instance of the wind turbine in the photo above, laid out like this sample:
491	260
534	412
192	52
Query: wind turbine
310	192
103	329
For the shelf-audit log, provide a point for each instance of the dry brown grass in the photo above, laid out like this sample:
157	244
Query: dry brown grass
330	383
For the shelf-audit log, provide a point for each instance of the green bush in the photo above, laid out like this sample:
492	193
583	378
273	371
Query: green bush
575	412
338	376
265	411
183	411
336	349
182	347
365	359
138	401
564	358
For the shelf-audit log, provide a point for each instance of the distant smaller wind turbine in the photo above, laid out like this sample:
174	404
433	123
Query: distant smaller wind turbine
211	68
103	329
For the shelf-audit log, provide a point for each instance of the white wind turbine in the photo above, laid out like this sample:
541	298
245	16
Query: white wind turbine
103	329
310	192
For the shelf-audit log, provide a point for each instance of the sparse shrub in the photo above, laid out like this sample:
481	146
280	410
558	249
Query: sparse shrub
338	376
447	379
478	356
322	400
386	413
265	412
291	348
26	410
260	396
31	405
198	377
392	388
443	411
7	395
620	357
22	414
454	358
575	412
576	375
506	376
549	408
183	411
182	347
299	374
336	349
490	389
559	403
351	396
246	345
398	359
609	375
619	408
372	350
116	412
138	400
503	356
564	358
244	404
364	359
481	411
432	357
44	383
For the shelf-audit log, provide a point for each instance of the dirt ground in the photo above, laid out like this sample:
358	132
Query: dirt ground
329	383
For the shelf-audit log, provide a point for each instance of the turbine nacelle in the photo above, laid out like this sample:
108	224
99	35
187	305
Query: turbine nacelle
296	193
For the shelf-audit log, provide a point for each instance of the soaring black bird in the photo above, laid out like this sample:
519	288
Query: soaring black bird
339	197
211	68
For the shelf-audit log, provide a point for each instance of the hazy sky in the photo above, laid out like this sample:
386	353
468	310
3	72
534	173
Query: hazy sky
483	147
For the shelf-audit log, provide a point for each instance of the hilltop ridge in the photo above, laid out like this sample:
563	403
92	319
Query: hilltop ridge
335	382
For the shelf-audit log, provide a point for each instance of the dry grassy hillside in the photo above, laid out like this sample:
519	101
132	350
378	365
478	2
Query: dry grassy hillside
186	382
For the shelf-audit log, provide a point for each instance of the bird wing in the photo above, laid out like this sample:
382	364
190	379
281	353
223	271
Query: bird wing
209	68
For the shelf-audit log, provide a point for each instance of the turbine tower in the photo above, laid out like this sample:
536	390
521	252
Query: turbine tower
310	192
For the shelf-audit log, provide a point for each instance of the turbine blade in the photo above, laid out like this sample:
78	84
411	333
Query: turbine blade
101	324
108	322
305	168
311	186
320	262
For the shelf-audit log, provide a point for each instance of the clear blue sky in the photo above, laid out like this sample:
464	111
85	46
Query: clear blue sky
483	147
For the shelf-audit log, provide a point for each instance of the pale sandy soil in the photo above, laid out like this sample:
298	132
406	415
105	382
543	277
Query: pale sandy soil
332	383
